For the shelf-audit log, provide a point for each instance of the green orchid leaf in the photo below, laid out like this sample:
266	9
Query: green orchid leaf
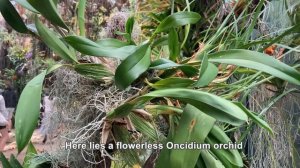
129	25
144	127
37	162
4	161
126	35
130	155
161	41
200	162
12	17
172	82
54	67
228	157
178	19
53	42
49	10
111	43
174	45
133	66
165	64
256	118
163	109
81	17
215	106
88	47
121	111
94	71
194	126
258	61
28	110
55	2
210	161
14	162
30	153
26	5
208	72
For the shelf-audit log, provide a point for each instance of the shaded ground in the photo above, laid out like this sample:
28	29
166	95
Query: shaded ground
37	138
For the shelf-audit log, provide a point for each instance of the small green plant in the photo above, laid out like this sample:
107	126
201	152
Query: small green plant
29	160
189	85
